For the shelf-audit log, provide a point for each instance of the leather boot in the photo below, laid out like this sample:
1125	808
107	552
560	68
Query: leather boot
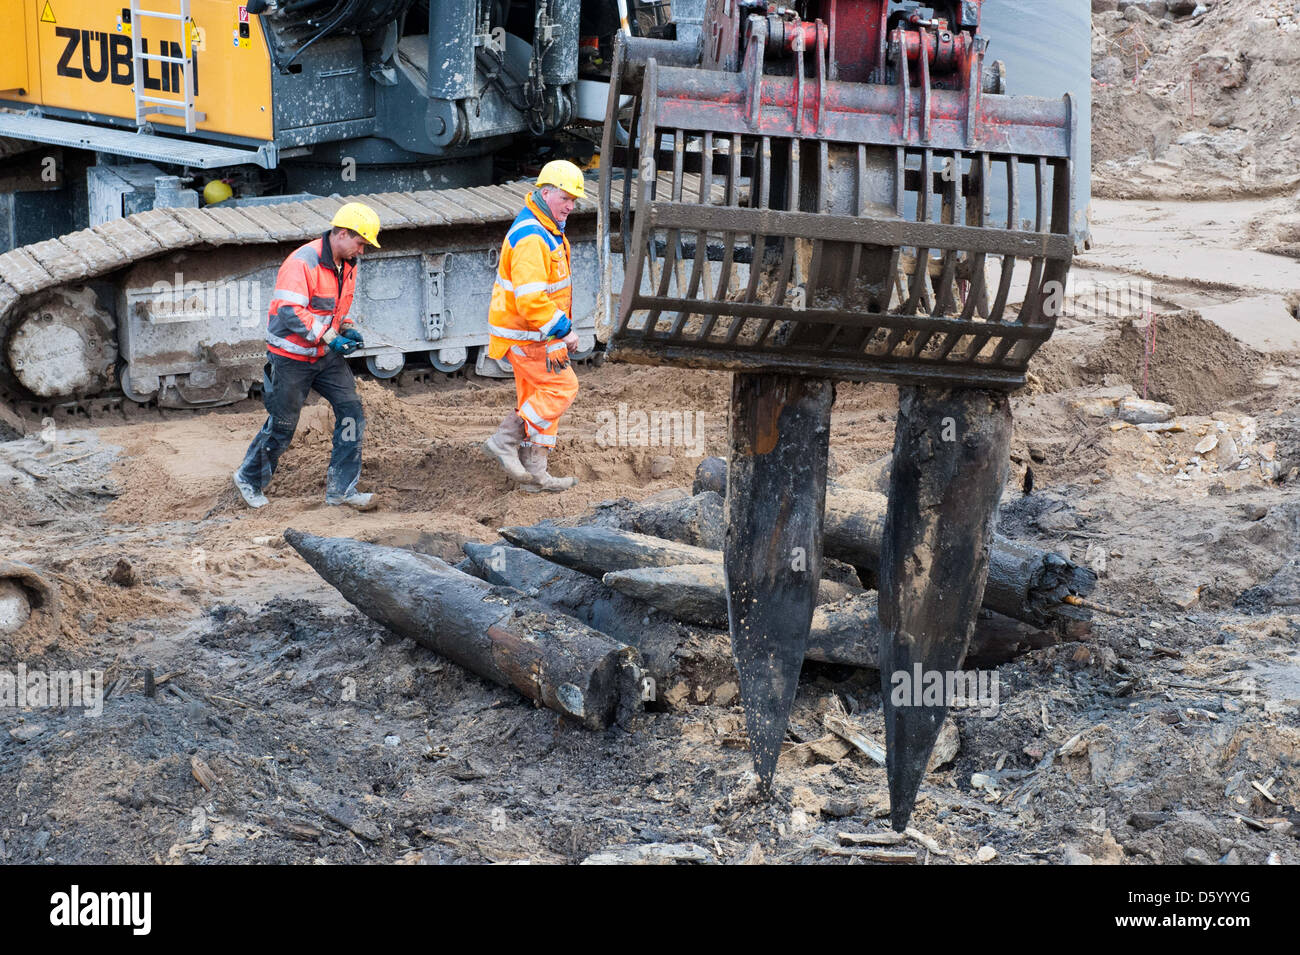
534	460
504	447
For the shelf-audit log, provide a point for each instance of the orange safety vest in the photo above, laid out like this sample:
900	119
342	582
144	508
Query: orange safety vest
310	299
532	299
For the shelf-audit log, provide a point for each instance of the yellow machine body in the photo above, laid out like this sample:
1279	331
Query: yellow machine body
77	55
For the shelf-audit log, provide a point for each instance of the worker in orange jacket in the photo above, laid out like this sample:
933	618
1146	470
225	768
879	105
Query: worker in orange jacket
309	334
531	326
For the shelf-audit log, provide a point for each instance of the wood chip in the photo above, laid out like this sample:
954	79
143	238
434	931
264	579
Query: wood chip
335	808
930	845
653	853
887	838
854	736
203	773
1263	790
905	856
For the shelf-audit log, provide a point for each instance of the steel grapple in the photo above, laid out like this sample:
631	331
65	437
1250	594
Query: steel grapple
849	196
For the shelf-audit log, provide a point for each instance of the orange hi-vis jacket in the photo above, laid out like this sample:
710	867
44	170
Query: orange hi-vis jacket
311	301
532	299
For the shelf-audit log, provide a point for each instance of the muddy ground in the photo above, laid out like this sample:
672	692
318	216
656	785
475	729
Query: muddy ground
1164	735
1169	733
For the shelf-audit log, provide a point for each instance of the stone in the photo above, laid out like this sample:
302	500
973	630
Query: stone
27	731
725	694
1226	454
1071	855
986	854
661	466
838	807
1142	821
123	574
1139	411
1252	512
1108	70
15	610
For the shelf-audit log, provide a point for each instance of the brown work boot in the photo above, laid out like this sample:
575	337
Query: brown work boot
504	447
534	460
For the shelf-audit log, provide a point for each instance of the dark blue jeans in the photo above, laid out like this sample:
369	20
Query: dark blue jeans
285	386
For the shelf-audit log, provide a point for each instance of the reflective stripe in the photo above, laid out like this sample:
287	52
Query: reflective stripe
514	334
309	255
529	415
546	329
519	351
545	440
318	328
287	317
289	346
322	303
517	232
531	287
285	295
554	347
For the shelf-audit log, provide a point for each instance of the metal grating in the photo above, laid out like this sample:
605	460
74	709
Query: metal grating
856	260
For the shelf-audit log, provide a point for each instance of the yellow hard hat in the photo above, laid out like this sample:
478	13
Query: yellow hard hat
218	190
361	219
564	175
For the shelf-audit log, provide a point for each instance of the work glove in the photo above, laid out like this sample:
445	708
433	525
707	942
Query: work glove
353	333
341	345
557	360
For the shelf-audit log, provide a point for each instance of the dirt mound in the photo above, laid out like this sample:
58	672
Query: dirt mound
76	605
1196	366
1198	107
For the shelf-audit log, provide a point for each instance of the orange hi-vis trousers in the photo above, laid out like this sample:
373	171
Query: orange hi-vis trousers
545	386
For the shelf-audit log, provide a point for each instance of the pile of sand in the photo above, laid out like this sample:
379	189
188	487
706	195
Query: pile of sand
1196	366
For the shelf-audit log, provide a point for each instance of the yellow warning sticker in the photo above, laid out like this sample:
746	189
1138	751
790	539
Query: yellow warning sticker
47	14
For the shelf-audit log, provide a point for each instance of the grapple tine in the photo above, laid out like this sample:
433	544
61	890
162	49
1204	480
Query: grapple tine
776	489
943	500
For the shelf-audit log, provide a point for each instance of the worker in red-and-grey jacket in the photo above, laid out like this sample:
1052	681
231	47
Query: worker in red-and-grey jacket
308	337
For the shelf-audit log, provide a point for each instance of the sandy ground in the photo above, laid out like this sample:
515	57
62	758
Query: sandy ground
1169	733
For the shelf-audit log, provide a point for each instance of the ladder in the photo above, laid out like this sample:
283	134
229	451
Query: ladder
182	104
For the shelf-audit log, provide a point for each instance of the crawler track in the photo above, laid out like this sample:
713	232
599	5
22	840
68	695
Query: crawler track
105	253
